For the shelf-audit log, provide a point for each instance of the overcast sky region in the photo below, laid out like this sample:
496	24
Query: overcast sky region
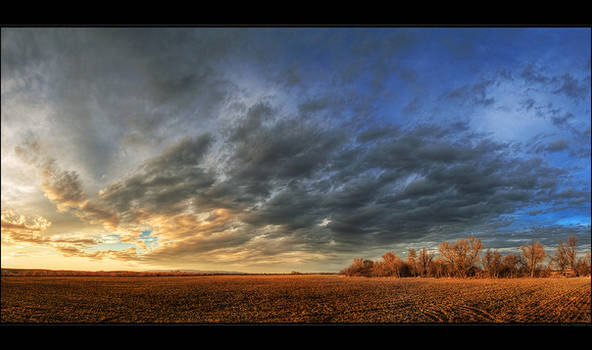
288	149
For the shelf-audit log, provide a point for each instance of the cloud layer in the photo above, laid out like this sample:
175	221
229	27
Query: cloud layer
267	149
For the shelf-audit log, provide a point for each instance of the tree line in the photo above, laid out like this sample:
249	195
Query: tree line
70	273
463	259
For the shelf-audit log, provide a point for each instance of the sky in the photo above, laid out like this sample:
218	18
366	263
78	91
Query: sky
288	149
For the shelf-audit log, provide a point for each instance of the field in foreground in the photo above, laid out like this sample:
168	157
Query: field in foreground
293	299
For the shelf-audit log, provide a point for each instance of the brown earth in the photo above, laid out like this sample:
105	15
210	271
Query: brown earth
293	299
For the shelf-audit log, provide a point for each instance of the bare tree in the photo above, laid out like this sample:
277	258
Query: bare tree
438	267
378	269
392	264
459	259
462	255
424	261
572	259
583	265
447	255
474	247
560	259
533	254
492	262
412	261
510	264
359	267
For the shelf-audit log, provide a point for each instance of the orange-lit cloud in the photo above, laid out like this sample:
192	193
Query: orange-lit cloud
18	229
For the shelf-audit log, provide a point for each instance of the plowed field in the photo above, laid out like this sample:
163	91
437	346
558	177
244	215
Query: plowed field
293	299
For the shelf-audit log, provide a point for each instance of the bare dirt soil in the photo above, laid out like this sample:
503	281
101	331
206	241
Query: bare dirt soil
293	299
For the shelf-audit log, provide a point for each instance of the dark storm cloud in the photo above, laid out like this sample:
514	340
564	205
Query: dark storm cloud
163	184
288	149
389	187
314	105
403	186
254	119
374	133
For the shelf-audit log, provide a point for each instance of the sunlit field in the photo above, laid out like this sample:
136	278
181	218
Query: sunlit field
294	299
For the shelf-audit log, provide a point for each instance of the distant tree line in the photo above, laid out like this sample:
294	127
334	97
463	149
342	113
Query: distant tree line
71	273
464	259
62	273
